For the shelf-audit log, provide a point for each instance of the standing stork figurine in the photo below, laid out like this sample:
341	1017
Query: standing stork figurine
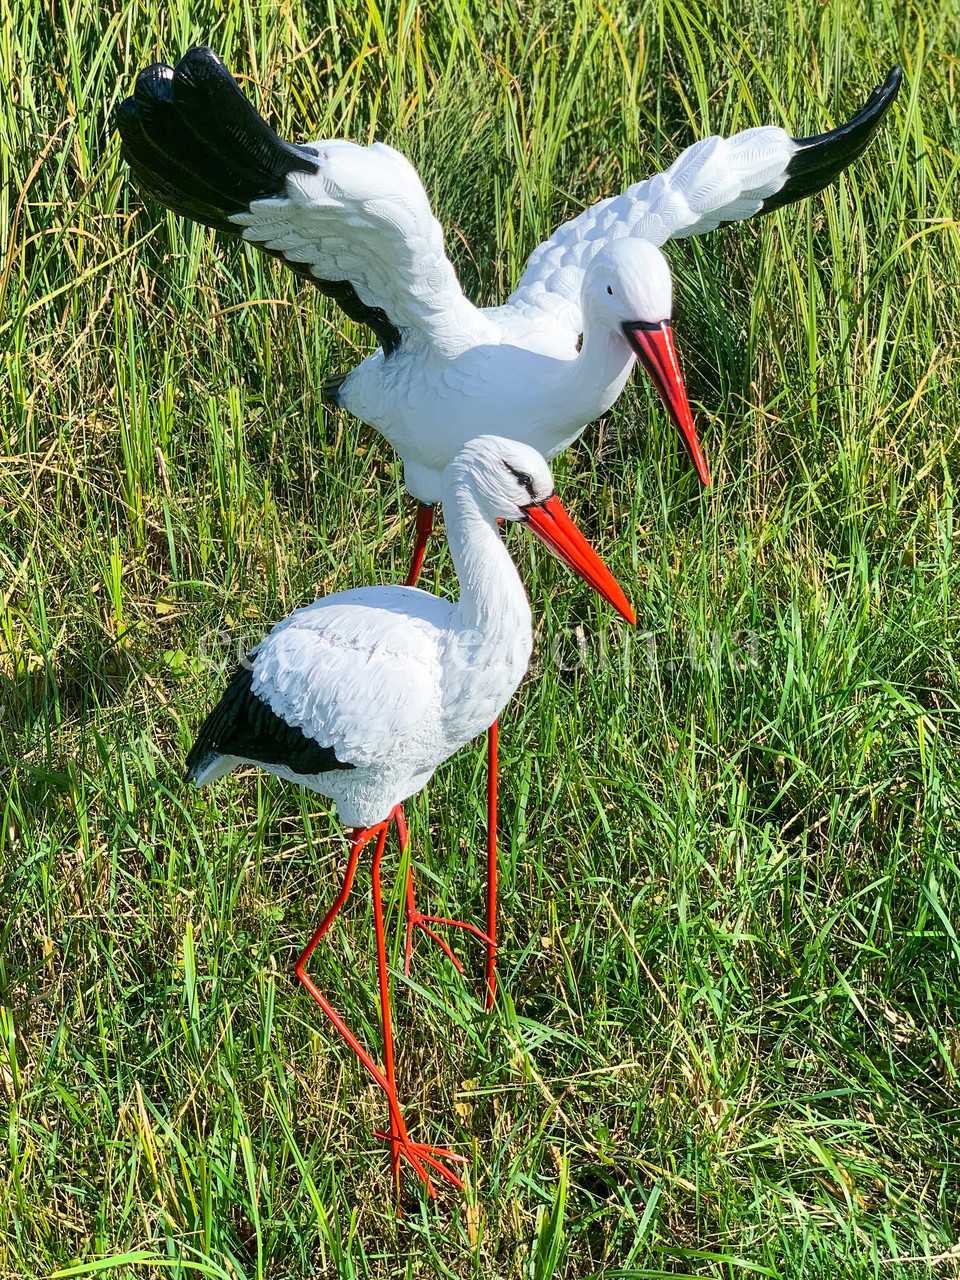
361	695
594	299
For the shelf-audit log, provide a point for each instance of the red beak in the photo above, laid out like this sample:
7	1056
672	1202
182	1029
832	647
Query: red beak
550	523
653	344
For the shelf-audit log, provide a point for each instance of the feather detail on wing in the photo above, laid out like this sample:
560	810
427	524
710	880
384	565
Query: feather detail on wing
244	727
358	677
364	216
716	180
354	220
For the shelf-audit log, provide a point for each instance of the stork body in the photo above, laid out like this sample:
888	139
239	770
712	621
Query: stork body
360	696
544	393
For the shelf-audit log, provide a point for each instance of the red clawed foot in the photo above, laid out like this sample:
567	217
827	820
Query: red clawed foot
417	920
419	1156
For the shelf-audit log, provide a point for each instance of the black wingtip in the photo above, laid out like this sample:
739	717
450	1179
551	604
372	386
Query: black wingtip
820	158
194	140
243	725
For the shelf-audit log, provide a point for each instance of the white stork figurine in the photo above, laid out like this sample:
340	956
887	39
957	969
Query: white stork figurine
356	222
361	695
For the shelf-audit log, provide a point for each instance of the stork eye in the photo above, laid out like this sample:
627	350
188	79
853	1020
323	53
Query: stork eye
610	290
522	478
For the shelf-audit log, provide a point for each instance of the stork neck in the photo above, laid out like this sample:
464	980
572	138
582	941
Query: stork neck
603	364
492	599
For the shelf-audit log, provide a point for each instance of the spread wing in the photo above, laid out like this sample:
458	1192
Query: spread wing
353	220
716	180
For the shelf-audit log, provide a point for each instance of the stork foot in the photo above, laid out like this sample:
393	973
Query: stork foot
417	920
419	1155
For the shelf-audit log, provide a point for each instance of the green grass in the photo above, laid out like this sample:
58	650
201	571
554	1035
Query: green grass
728	1035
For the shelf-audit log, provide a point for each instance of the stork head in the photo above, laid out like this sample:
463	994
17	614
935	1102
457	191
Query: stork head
506	476
628	288
512	481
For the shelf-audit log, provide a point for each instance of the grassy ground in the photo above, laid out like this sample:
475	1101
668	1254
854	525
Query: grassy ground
728	1034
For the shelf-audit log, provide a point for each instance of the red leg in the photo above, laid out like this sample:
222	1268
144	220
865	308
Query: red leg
424	529
399	1141
417	920
384	983
491	864
360	838
414	917
416	1153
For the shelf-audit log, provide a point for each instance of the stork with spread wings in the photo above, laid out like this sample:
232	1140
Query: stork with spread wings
355	221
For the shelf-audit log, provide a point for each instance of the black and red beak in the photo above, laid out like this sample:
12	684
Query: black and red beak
653	344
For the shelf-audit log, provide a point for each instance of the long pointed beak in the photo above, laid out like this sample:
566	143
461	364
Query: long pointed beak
653	344
550	523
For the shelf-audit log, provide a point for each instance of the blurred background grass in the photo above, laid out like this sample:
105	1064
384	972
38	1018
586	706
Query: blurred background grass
726	1040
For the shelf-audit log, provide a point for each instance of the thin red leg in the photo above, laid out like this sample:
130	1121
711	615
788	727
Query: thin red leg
360	838
417	920
384	983
491	864
414	917
401	1144
424	529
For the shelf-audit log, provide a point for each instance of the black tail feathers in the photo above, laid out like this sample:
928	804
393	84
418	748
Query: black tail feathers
824	156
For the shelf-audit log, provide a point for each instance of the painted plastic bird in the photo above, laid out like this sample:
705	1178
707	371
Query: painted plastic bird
594	299
355	221
361	695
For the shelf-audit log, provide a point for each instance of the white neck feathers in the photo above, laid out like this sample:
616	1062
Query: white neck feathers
492	599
